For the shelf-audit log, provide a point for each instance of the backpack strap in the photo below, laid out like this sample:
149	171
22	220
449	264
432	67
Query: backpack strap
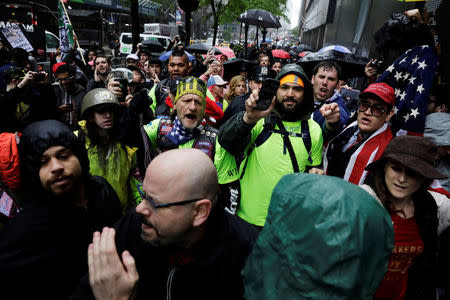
269	128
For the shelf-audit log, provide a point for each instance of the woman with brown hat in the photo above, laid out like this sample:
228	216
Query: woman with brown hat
400	179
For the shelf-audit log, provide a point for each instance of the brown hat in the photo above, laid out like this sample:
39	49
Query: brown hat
414	152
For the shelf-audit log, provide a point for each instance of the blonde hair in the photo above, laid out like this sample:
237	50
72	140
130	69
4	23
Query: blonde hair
229	96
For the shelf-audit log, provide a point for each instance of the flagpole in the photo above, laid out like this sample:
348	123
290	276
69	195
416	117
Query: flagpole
78	43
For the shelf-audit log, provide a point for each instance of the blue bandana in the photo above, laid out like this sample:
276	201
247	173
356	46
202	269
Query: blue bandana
180	135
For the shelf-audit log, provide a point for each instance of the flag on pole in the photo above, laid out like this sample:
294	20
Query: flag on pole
411	77
65	31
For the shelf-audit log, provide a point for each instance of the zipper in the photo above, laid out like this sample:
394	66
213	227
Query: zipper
169	284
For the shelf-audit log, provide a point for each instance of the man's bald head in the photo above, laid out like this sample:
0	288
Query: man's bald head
189	170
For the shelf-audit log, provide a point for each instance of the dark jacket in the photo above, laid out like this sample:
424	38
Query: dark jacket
214	273
76	95
43	250
92	84
236	106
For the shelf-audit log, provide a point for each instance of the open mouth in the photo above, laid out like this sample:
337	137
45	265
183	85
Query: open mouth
365	121
400	187
191	116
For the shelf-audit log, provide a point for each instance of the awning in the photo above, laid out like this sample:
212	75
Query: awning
81	12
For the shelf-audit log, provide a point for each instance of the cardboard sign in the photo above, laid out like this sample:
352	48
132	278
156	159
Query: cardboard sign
16	38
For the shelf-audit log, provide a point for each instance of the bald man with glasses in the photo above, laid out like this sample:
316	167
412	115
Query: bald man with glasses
178	244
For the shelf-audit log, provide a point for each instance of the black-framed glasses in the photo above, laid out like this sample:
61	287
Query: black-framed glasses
161	205
377	110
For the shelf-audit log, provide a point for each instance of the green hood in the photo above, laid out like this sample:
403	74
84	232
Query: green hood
324	238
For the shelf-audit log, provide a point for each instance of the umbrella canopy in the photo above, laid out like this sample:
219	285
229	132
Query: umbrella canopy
234	67
165	56
201	48
226	51
302	47
259	17
280	54
153	46
304	53
336	48
352	66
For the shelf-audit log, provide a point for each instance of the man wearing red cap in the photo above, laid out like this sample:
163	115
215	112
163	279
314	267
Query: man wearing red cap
364	140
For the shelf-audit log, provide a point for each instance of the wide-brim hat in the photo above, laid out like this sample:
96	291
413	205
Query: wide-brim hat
414	152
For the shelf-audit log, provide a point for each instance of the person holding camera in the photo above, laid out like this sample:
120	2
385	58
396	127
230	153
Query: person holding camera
273	144
28	97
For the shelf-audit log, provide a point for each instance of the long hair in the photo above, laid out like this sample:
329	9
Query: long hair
102	146
425	214
229	96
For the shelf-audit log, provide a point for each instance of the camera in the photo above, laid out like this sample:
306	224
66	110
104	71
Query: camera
37	77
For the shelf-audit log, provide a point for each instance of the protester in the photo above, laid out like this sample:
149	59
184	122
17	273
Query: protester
107	156
216	86
132	60
330	109
400	181
237	88
153	71
101	72
277	66
214	67
364	140
324	239
178	66
188	129
264	60
69	95
264	137
63	206
177	237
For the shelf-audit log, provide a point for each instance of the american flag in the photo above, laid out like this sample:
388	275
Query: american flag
411	76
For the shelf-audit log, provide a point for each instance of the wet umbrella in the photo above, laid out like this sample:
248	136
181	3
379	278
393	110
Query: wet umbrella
259	17
234	67
226	51
304	53
165	56
280	54
153	46
201	48
302	47
336	48
352	65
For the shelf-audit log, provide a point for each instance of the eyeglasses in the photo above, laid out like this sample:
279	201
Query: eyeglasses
64	79
377	110
161	205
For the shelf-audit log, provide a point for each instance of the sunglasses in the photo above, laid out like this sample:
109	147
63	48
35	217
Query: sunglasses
377	110
161	205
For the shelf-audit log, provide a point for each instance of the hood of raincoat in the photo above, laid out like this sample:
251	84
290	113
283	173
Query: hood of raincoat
36	139
324	238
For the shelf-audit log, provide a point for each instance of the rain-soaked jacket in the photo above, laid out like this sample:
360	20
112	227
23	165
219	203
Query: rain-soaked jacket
119	170
324	238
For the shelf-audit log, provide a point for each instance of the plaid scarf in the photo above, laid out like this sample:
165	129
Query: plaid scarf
180	135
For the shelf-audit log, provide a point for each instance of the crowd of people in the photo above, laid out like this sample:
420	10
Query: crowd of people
106	191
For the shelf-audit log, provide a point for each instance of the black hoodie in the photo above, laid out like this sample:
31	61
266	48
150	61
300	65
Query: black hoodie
43	251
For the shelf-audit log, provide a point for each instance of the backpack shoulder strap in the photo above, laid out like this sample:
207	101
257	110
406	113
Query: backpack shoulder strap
306	137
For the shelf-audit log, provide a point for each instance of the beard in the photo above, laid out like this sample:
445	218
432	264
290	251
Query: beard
291	114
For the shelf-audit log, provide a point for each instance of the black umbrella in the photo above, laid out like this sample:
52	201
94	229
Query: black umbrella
352	65
302	47
259	17
201	48
153	46
234	67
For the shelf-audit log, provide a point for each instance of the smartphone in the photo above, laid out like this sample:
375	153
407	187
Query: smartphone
37	77
266	93
350	93
123	82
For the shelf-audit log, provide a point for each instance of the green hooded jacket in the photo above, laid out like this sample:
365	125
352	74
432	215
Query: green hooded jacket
324	238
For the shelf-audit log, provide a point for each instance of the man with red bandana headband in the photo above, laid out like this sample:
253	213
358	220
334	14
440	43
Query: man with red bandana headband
273	144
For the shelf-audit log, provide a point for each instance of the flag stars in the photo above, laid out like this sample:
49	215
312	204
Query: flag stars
406	117
411	80
395	110
424	46
402	96
398	75
390	68
422	65
420	88
397	92
415	112
406	76
402	61
414	60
